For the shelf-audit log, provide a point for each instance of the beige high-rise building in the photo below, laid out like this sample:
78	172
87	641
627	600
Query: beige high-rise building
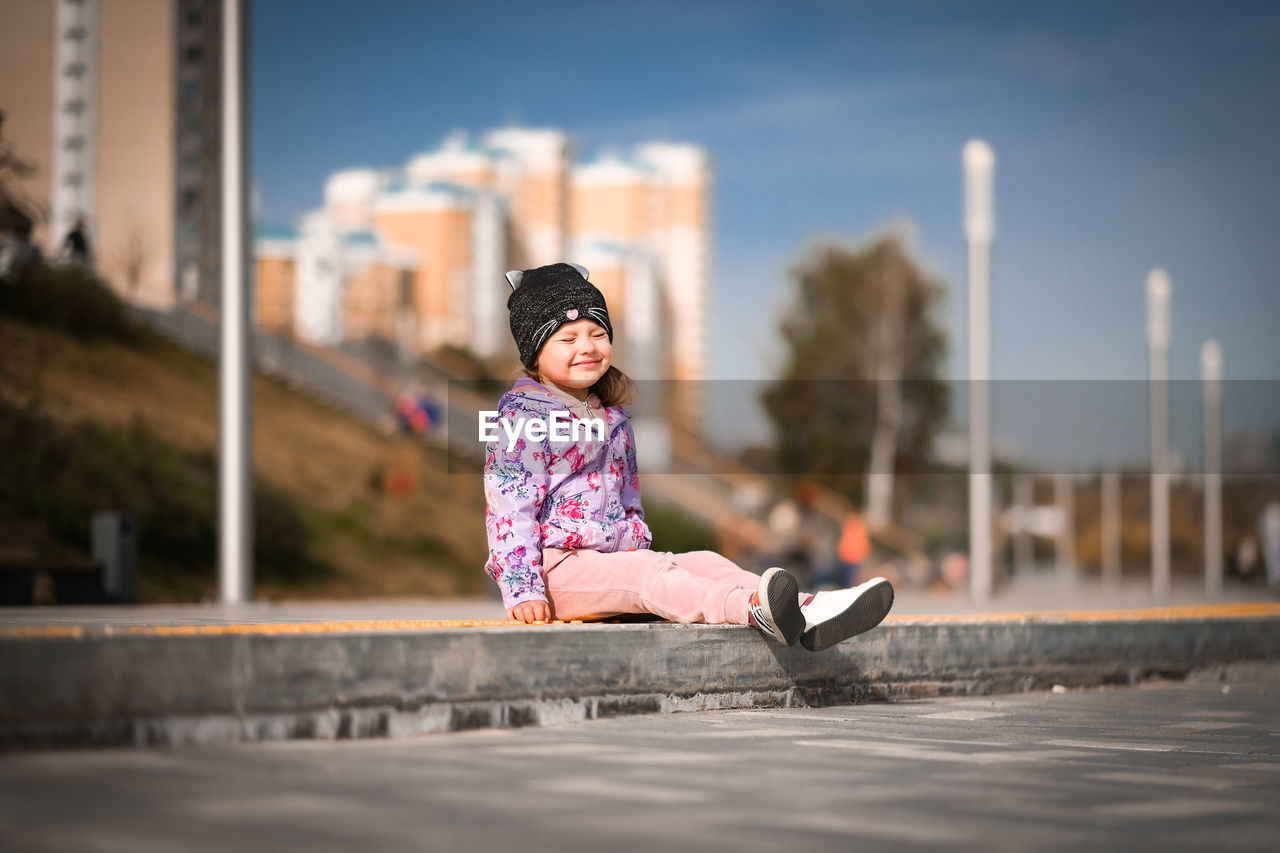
115	103
276	283
611	200
464	212
455	161
532	172
679	236
653	203
26	97
326	286
436	221
468	210
628	278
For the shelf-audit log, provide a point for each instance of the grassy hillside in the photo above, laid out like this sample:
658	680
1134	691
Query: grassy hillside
127	420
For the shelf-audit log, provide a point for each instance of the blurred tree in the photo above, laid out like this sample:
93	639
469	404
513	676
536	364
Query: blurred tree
18	213
861	392
15	205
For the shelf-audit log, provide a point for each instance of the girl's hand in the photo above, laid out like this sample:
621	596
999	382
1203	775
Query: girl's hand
530	611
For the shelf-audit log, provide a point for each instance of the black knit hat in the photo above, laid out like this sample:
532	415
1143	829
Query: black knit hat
544	299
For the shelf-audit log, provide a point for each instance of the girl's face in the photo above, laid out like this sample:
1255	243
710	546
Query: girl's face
575	357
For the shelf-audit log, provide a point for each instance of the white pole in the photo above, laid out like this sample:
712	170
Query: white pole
1110	530
235	494
1211	370
1158	292
979	223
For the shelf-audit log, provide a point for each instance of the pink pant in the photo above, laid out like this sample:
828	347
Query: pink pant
700	586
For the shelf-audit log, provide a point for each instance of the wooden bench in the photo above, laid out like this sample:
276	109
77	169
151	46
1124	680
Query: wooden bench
29	574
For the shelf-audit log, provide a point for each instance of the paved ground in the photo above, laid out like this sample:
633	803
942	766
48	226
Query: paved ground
1190	766
1034	593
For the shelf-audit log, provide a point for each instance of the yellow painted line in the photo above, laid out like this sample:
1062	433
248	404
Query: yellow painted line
346	626
42	631
1190	612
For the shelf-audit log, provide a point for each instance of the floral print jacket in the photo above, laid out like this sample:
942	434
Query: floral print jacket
557	493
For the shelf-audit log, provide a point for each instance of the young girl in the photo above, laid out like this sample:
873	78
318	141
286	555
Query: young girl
567	537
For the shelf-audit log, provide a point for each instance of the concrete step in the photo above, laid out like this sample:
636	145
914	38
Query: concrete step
164	679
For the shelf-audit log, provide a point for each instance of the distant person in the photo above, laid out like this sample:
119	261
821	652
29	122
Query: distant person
1244	559
1269	532
819	537
416	411
75	247
854	547
189	282
783	537
567	535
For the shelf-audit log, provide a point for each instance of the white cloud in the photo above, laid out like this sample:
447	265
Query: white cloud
799	110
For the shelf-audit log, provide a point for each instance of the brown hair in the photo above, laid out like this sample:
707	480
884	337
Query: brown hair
615	388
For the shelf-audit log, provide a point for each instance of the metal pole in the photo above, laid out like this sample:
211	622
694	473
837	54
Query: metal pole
235	474
1110	530
1158	291
1211	370
979	221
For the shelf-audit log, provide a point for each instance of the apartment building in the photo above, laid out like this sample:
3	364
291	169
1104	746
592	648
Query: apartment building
465	211
655	200
116	105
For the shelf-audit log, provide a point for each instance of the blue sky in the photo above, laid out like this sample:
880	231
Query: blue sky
1128	135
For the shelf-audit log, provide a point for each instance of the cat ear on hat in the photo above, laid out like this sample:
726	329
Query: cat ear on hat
515	277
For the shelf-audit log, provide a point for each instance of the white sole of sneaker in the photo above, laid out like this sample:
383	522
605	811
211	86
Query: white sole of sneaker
863	613
781	603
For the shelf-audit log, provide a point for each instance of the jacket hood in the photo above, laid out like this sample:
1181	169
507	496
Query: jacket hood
533	390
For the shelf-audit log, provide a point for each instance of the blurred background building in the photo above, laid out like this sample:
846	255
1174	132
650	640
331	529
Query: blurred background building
412	254
116	106
382	282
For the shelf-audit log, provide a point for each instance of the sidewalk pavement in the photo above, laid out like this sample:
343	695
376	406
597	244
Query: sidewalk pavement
1036	593
207	673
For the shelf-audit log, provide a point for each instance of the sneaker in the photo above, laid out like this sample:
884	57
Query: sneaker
775	606
838	615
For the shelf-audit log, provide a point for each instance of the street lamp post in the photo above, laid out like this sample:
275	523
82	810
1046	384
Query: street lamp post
1211	371
1158	293
235	457
979	225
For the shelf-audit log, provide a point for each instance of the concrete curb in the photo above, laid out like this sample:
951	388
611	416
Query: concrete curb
153	688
